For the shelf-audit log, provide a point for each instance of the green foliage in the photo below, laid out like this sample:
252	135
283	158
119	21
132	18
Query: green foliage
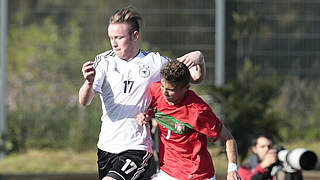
287	108
43	81
44	76
245	24
246	106
299	106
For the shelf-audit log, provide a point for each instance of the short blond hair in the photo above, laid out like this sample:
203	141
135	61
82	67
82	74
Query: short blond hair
127	15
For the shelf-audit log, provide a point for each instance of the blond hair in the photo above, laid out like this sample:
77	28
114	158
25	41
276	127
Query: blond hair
127	15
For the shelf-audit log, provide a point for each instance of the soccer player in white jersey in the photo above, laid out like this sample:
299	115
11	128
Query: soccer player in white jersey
121	77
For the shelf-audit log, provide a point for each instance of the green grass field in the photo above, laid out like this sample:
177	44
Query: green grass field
67	161
49	161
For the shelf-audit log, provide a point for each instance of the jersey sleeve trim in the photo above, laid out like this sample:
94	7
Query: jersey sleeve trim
219	129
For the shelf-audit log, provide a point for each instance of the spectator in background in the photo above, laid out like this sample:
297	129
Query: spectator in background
260	166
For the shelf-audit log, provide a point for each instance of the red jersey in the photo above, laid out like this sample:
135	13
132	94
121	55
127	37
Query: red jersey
183	130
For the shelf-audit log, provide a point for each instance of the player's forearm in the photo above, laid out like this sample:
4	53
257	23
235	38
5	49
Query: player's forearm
232	153
230	144
197	74
198	71
231	150
86	94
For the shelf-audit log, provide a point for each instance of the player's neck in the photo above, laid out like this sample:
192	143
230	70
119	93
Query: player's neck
134	53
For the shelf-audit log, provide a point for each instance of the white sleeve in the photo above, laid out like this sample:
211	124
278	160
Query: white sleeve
100	66
164	60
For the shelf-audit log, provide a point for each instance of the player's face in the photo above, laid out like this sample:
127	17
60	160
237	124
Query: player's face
123	43
173	94
262	147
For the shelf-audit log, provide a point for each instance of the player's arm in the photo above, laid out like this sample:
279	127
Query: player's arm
86	92
144	117
232	153
195	62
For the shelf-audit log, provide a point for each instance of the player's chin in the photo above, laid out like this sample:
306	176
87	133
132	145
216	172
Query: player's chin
119	53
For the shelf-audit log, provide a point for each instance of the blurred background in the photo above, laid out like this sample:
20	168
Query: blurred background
262	59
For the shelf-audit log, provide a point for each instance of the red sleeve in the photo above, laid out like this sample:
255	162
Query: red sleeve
152	89
246	174
259	169
154	93
209	124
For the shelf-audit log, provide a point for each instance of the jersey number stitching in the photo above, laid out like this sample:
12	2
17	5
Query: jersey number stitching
127	86
125	166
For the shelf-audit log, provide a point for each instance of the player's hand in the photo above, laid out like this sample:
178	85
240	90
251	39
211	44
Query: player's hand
143	118
233	175
192	59
88	71
269	159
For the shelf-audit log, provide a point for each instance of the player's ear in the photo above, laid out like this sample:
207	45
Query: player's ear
135	35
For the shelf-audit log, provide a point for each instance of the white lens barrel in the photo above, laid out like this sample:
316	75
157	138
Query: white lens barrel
300	158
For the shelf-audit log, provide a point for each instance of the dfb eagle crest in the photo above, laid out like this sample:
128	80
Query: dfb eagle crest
144	71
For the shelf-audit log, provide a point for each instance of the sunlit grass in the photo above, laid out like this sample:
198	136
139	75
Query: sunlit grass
68	161
49	161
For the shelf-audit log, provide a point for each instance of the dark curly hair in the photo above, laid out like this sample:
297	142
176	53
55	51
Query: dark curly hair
176	72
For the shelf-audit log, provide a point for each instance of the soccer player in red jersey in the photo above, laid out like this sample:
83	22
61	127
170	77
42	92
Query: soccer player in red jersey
185	121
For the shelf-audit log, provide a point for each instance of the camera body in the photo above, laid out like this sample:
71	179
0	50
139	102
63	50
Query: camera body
296	159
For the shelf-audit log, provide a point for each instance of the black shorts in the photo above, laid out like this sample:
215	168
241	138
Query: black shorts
130	164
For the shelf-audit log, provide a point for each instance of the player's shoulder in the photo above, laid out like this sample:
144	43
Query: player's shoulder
156	84
155	87
103	57
145	53
106	54
197	102
151	53
148	54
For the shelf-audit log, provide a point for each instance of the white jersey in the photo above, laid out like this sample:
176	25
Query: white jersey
124	93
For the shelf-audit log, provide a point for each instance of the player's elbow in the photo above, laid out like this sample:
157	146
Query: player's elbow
196	79
197	74
83	102
85	96
226	135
